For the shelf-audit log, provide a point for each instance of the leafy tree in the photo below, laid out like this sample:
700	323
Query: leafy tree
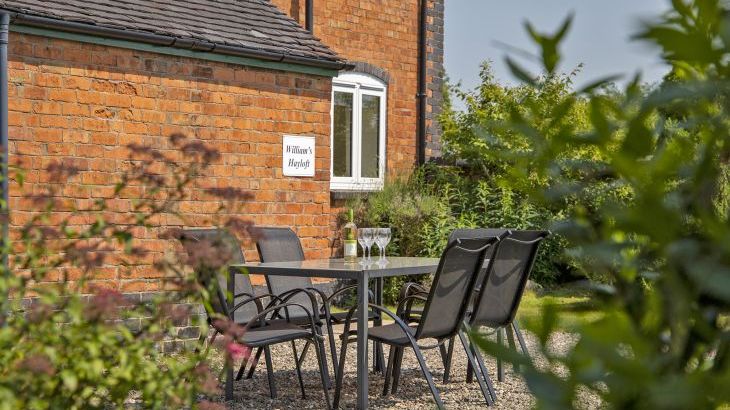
663	337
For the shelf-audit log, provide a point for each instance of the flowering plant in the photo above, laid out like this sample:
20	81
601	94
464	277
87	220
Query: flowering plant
68	342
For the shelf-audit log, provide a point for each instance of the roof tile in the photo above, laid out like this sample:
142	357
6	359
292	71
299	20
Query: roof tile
255	24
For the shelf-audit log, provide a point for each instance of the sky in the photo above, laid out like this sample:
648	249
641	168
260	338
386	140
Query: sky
600	37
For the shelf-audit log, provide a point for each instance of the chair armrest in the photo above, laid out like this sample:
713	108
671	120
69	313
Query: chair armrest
286	296
411	287
262	315
257	299
404	306
404	327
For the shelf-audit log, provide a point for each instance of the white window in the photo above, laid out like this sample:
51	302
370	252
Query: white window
358	133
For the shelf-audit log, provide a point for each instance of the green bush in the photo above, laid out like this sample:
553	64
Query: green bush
410	213
658	234
424	209
435	200
481	152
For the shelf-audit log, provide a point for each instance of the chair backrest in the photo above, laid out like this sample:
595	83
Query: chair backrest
276	244
452	284
228	245
503	286
471	233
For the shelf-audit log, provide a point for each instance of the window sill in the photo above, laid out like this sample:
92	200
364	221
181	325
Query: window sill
351	190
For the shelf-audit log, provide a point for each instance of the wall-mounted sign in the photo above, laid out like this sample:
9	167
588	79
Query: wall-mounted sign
298	156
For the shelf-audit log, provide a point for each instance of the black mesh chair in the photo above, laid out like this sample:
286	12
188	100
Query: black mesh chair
262	326
411	314
277	244
499	297
442	318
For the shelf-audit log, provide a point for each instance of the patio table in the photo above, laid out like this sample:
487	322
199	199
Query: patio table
339	269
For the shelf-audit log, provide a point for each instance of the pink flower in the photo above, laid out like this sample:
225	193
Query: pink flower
38	364
237	351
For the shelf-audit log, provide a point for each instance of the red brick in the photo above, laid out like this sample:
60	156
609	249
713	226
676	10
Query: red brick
91	111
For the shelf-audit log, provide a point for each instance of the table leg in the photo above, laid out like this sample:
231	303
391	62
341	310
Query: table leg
231	288
378	365
362	341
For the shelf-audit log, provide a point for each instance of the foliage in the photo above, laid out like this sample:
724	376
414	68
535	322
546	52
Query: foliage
413	215
67	350
478	142
662	337
435	200
423	210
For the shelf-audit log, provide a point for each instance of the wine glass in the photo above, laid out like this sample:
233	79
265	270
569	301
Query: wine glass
368	238
362	241
383	239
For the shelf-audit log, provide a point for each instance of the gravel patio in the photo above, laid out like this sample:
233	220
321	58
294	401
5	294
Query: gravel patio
413	392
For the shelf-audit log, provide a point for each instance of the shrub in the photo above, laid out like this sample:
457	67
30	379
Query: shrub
67	350
662	337
412	215
481	152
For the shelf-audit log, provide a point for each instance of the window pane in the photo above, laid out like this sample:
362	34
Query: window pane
342	135
370	136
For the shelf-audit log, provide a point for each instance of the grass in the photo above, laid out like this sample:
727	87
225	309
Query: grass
562	298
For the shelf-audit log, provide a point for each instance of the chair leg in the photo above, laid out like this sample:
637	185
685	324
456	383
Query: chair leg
299	369
305	349
469	373
512	345
500	368
381	358
270	372
520	339
482	368
340	372
427	375
482	383
320	347
322	374
443	353
242	369
446	356
389	371
333	351
397	363
255	362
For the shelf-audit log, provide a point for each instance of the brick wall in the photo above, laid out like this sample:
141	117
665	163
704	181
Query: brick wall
86	102
381	38
383	33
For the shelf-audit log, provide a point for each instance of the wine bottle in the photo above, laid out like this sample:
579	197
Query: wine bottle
349	238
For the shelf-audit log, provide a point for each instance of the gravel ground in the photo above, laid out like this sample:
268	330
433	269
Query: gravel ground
413	391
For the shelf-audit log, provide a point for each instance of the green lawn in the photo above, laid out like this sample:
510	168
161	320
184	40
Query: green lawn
532	303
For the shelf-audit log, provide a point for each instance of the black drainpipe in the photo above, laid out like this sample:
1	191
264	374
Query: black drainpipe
4	28
421	95
309	16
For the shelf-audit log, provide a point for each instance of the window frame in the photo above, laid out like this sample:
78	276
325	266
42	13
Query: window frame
359	84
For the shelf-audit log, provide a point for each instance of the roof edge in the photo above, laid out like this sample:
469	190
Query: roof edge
181	43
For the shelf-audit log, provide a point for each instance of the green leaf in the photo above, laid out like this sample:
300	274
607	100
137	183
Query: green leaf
69	380
519	72
639	140
602	82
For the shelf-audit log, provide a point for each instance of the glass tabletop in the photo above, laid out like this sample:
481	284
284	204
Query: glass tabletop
338	268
